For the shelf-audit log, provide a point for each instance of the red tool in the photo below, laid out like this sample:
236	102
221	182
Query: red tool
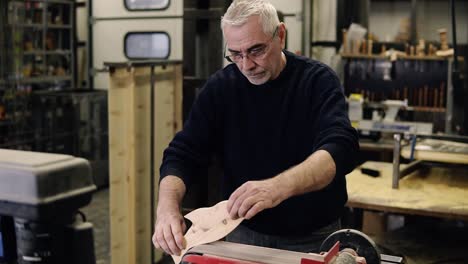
345	246
332	256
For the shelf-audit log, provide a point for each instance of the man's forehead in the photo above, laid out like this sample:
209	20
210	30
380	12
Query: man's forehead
244	37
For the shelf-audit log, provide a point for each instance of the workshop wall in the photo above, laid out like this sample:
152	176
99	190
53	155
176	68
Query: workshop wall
389	18
293	20
435	14
324	29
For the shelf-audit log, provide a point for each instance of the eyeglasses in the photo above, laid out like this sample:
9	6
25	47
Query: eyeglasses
255	53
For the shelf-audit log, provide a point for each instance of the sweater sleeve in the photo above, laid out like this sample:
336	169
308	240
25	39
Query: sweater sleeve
336	135
192	147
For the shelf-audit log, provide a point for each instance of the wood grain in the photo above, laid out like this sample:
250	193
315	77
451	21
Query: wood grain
130	153
439	191
167	118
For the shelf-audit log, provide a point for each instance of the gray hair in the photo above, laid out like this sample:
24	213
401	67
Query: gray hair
240	10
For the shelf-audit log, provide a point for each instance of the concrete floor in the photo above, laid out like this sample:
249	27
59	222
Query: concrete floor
428	240
97	212
421	240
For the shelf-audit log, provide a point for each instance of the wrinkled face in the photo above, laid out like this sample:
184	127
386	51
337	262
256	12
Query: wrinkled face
257	55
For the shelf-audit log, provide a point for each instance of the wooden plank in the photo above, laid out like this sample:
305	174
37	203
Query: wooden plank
439	151
120	163
167	118
142	178
438	191
178	96
129	154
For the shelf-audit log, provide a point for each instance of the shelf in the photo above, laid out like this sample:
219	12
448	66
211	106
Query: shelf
415	57
41	26
376	105
44	79
51	44
57	2
362	56
28	25
54	52
39	37
53	26
48	1
382	57
426	109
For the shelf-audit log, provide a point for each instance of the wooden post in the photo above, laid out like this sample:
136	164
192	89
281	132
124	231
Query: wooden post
131	223
167	117
129	152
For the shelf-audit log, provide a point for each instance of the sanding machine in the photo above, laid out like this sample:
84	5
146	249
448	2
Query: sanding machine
342	247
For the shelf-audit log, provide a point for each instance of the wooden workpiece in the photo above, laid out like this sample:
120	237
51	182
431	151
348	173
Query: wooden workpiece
438	151
438	191
345	41
443	39
208	224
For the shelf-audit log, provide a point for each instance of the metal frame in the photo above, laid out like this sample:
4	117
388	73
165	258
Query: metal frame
449	102
397	172
148	33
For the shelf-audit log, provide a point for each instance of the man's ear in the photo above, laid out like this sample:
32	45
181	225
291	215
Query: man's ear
282	34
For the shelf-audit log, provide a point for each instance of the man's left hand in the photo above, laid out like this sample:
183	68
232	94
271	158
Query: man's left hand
253	197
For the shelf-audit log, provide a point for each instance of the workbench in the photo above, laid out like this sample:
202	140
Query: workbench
436	191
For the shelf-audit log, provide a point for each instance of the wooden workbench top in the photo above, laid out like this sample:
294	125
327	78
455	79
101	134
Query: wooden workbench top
436	191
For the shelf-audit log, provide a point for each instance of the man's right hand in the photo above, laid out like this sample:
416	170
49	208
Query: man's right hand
169	232
169	228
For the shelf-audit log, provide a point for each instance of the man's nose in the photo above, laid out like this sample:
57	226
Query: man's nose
247	63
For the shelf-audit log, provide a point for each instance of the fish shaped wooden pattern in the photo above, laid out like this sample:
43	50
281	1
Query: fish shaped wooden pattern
208	224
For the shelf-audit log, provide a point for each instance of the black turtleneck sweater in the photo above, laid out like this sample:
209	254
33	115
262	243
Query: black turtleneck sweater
258	131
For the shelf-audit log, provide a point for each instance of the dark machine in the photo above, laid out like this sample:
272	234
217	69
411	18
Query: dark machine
40	195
